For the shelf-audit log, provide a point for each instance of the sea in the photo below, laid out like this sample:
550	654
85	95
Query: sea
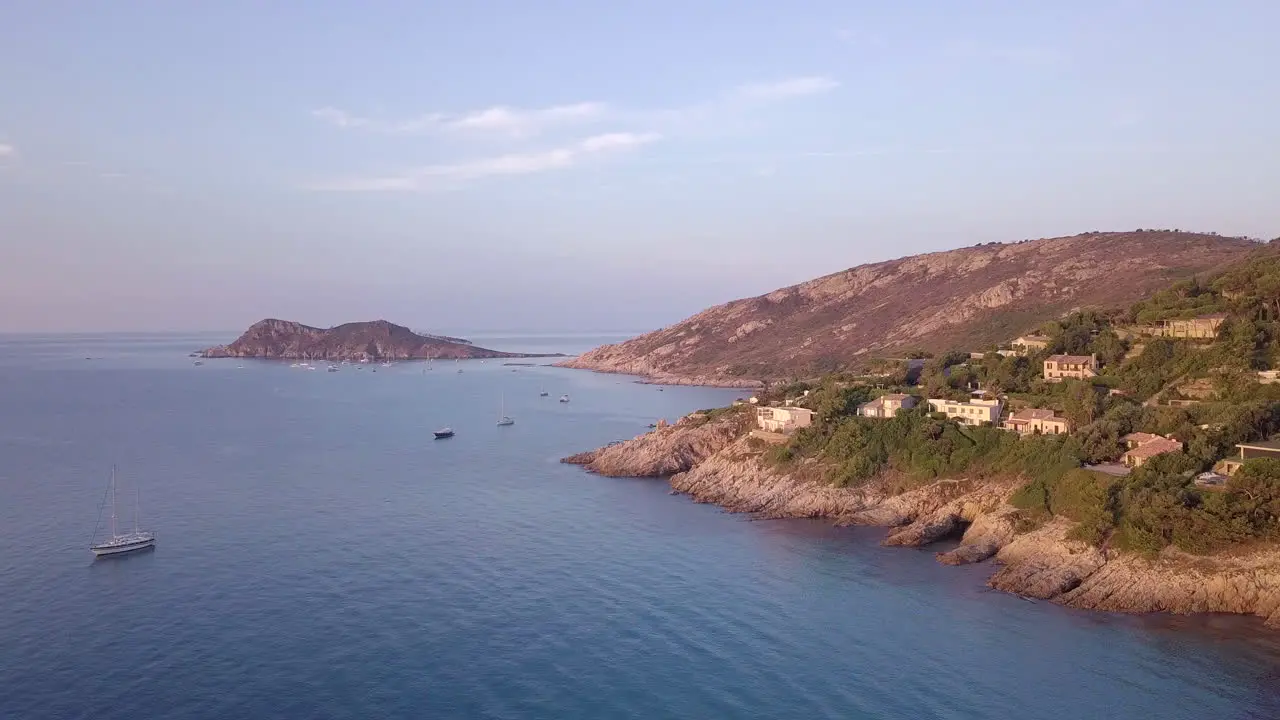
320	555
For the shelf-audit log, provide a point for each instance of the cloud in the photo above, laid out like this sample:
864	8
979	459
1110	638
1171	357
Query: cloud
433	177
511	122
500	119
716	115
789	88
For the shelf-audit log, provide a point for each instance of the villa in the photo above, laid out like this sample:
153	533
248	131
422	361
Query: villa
1036	421
1030	343
1144	446
1203	327
1079	367
1249	451
886	406
973	412
783	419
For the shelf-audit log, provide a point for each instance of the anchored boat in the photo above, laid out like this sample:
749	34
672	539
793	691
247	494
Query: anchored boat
119	544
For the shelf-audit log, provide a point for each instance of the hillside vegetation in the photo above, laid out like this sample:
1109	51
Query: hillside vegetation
1214	383
960	298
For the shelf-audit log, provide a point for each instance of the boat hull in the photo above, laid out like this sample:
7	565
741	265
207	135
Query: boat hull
122	548
442	436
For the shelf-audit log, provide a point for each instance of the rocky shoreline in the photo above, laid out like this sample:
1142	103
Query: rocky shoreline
650	376
712	461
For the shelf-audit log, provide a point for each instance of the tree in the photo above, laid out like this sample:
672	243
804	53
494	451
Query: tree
1083	403
1109	347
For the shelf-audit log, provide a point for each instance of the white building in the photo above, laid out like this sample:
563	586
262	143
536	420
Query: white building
886	406
783	419
973	412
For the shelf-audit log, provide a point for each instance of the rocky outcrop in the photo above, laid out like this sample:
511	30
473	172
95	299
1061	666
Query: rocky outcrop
970	298
667	450
377	340
715	463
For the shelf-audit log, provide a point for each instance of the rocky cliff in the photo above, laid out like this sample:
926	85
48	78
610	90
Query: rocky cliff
967	298
715	463
377	340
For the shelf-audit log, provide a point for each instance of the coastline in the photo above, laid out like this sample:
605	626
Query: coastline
648	377
710	461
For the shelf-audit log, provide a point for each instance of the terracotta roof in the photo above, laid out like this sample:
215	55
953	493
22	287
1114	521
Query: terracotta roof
1140	438
1155	447
1079	359
1034	414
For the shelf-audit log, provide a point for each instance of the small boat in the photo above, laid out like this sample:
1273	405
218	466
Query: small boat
564	398
544	393
119	544
199	362
333	368
443	433
503	420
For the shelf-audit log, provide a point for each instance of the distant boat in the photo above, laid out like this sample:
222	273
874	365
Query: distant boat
333	368
119	544
443	433
503	420
564	398
455	362
544	393
199	362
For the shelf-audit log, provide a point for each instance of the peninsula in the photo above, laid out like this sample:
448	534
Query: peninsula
376	340
1119	459
974	296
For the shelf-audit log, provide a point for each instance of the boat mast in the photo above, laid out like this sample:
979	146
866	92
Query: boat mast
113	501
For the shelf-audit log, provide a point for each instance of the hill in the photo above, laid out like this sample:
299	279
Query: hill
376	340
973	297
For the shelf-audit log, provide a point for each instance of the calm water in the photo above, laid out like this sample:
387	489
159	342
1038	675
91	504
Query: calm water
321	557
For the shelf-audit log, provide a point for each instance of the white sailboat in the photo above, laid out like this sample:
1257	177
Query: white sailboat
129	542
503	420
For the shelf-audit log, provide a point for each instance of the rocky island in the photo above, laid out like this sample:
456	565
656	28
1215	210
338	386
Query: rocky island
973	296
376	340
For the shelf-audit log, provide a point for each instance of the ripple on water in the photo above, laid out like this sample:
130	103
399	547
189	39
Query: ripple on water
321	557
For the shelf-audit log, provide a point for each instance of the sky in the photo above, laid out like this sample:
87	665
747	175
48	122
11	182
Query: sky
590	166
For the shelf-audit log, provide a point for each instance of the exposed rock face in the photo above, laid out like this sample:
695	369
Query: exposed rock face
377	340
667	450
968	298
714	463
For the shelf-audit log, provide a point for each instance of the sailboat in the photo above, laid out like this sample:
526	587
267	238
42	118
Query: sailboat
503	420
117	543
544	393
